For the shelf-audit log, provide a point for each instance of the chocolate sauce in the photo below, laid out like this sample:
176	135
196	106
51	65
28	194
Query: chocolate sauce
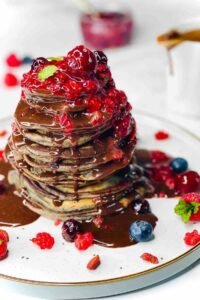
174	38
12	210
115	229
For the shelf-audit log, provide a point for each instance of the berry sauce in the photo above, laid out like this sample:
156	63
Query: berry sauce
99	31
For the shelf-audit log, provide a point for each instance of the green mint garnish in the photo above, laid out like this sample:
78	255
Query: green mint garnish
186	209
47	72
58	58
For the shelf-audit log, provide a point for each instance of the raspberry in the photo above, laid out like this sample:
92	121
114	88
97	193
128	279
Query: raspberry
44	240
161	135
192	238
150	258
3	249
3	133
195	217
109	105
94	104
84	241
158	156
90	85
122	126
4	235
191	197
10	80
94	263
13	61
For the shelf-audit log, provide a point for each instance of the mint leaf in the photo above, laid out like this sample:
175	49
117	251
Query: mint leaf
186	209
47	72
58	58
196	206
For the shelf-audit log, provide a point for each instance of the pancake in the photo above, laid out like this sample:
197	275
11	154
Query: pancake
73	143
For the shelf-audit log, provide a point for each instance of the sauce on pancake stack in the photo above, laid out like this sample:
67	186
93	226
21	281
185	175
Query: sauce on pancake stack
73	140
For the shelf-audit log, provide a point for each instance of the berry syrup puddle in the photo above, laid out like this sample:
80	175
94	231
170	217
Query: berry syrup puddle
167	177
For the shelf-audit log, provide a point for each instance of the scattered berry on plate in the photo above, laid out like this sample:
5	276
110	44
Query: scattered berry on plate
13	61
188	182
94	263
141	206
57	222
4	235
150	258
27	59
192	238
179	165
3	249
44	240
84	241
10	80
70	229
3	133
141	231
161	135
188	207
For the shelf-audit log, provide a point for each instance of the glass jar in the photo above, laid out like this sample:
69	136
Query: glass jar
111	26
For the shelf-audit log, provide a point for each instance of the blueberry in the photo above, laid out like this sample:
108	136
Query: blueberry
70	228
141	231
27	60
141	205
179	165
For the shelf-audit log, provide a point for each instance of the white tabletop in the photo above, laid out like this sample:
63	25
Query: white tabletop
138	69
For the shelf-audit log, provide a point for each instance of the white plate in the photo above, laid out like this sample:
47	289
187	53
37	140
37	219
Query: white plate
61	273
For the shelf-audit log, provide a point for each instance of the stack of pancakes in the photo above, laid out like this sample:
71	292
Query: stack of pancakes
77	171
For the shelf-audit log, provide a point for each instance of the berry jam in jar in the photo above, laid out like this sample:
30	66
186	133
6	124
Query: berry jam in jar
107	29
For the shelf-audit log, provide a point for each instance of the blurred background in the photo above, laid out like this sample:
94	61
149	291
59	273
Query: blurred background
126	29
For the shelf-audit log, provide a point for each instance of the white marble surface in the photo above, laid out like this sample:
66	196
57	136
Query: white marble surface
138	69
